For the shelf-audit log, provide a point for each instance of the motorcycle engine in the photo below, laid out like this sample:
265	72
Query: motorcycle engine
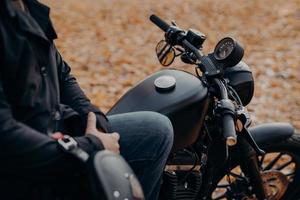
180	185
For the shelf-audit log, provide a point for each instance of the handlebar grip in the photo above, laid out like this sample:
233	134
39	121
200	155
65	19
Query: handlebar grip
229	132
160	23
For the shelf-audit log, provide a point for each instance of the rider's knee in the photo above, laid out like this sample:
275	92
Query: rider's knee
161	130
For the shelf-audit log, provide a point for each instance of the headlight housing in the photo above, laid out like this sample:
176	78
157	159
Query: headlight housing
241	79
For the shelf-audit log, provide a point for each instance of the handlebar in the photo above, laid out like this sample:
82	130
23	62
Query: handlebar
177	36
227	111
229	132
160	23
225	106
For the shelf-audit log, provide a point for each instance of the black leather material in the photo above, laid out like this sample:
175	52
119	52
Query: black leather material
112	178
271	132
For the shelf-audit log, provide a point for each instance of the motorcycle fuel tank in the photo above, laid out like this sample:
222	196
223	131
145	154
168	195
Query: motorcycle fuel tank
177	94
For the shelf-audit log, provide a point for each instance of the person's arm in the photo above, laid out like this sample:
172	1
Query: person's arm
26	152
73	96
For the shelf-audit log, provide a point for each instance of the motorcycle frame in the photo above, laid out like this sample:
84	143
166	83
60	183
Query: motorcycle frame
219	155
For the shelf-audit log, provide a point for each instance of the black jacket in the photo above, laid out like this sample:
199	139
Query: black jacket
38	96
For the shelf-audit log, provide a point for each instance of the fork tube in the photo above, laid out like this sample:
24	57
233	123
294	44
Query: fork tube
249	166
222	88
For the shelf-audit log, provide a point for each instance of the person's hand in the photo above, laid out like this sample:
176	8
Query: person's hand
110	141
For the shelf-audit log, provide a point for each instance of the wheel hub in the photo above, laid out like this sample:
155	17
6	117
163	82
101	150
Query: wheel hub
275	184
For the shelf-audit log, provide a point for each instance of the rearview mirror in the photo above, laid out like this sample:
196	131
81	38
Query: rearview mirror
165	53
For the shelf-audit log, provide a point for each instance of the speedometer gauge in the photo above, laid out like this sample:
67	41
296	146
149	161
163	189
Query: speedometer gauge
224	48
228	52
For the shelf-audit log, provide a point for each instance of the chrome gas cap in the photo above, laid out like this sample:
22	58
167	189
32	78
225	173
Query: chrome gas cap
165	83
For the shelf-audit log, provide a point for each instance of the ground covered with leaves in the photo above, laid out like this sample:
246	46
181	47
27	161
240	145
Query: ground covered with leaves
110	45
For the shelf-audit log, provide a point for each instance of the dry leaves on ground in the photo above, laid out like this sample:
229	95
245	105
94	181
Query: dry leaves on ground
110	45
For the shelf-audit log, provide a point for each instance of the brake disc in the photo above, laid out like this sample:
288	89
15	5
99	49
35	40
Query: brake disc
275	184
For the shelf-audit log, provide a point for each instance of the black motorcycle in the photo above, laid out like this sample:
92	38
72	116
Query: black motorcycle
216	154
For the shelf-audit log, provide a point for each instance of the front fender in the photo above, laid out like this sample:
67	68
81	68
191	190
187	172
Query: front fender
271	132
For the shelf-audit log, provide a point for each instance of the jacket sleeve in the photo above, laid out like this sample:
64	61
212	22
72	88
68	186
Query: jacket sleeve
27	152
73	96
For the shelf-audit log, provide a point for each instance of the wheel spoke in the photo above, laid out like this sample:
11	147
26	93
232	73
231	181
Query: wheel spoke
240	177
290	174
273	162
284	165
223	186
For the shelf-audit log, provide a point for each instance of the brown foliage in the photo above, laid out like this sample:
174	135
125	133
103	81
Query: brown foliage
110	45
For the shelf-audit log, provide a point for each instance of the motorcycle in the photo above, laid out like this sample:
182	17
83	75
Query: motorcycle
216	154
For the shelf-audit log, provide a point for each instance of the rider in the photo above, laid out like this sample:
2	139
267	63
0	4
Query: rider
40	100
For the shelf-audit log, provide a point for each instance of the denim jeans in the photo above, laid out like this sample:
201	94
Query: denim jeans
146	139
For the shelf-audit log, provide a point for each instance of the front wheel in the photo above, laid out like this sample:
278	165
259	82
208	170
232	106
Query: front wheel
279	168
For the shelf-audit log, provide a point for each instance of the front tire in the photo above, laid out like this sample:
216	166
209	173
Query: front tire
282	160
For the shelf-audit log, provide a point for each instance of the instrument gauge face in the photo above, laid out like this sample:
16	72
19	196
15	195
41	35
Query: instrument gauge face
224	48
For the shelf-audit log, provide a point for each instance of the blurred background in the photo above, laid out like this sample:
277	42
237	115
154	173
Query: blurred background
110	45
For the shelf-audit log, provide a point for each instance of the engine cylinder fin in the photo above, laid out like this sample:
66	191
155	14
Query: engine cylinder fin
180	185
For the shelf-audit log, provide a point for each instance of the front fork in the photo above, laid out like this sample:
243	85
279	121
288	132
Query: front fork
249	165
248	151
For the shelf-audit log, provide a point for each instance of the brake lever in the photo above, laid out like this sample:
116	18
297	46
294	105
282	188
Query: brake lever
247	135
243	122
